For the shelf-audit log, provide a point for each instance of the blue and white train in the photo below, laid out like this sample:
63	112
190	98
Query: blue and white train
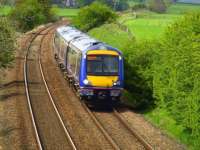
93	67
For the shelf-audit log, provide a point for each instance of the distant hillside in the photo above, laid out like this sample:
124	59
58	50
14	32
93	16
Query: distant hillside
189	1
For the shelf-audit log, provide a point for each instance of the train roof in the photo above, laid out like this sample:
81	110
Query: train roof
80	40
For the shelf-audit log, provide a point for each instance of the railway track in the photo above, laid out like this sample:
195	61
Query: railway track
50	131
102	120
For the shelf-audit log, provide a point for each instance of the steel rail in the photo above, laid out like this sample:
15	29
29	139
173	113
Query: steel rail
53	103
99	125
133	131
27	90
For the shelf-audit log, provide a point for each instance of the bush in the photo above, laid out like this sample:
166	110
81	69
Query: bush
93	16
7	42
30	13
115	5
177	74
139	77
138	6
156	5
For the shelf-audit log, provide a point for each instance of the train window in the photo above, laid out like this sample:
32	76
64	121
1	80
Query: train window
71	60
78	64
102	65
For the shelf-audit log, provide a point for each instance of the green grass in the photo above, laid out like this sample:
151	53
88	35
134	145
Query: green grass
62	12
150	27
111	34
66	12
180	8
163	120
5	10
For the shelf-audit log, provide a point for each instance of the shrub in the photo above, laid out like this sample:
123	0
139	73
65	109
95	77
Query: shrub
93	16
115	5
7	43
138	6
139	77
177	74
30	13
156	5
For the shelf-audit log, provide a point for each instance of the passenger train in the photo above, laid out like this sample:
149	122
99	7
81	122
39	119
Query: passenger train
93	67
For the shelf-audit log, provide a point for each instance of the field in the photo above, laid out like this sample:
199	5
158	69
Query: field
5	10
62	12
148	25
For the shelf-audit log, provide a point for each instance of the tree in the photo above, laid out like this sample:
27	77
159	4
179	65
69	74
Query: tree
7	43
156	5
114	4
177	74
30	13
93	16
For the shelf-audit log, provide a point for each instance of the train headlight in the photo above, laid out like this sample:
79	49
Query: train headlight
116	83
86	82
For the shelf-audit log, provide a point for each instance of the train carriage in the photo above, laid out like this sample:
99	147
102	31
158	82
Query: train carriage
95	68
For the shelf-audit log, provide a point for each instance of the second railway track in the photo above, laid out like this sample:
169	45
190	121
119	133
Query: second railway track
51	133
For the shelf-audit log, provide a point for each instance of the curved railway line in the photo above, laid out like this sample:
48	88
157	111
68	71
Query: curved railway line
48	136
50	130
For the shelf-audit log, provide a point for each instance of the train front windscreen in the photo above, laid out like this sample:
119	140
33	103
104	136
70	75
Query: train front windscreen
102	65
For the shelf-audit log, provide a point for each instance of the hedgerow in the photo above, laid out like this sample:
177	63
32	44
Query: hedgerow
176	79
94	15
29	13
7	42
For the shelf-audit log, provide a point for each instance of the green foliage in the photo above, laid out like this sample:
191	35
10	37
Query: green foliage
138	6
5	10
7	43
139	77
156	5
165	73
111	33
65	12
93	16
177	74
180	8
30	13
114	4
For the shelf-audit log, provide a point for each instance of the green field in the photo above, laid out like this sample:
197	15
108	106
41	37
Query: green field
151	27
148	25
62	12
4	10
66	12
111	34
181	8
